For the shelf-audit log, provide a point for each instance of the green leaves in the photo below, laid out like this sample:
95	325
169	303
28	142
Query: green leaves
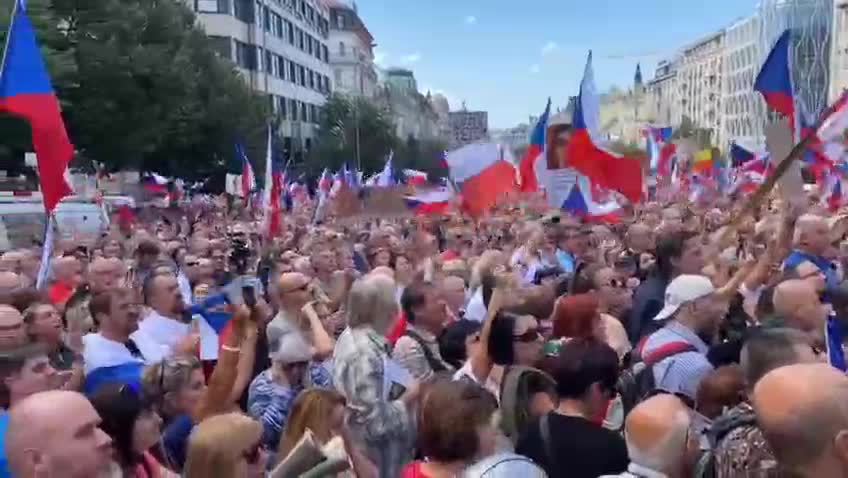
141	86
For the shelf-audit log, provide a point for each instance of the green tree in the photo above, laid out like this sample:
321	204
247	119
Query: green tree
142	87
344	122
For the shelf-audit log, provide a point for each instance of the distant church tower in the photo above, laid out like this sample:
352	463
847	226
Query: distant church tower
637	79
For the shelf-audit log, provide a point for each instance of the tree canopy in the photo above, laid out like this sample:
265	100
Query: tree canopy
141	87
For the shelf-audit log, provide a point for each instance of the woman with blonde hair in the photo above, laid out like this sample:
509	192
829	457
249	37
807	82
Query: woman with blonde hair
322	413
226	446
379	411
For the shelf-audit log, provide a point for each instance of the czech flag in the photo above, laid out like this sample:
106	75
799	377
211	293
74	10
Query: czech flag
271	197
435	201
535	151
834	193
248	179
26	90
484	173
740	155
774	81
581	203
600	166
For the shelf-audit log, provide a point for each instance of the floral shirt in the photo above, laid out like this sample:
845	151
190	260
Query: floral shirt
743	449
270	402
384	426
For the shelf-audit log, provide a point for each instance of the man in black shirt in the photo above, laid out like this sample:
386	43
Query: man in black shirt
567	442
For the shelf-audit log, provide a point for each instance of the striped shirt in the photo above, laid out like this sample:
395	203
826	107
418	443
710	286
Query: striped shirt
680	373
270	402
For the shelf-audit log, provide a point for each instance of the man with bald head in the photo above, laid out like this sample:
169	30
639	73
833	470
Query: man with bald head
57	433
659	443
296	298
803	412
9	282
797	305
812	241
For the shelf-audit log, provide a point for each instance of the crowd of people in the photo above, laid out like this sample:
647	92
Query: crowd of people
668	344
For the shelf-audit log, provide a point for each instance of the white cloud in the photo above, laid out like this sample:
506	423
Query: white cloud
535	69
470	20
549	48
411	58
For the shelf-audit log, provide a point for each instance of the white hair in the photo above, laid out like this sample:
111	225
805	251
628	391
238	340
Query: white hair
667	454
372	301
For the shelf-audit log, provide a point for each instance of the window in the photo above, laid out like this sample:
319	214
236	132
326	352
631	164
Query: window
281	67
338	74
212	6
310	13
326	53
270	64
318	47
273	101
222	46
283	107
293	110
300	42
292	72
309	45
314	113
290	32
245	55
266	19
312	79
301	75
278	26
341	48
244	10
304	115
259	59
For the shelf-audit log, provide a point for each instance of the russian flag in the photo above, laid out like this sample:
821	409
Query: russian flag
26	90
613	172
155	183
581	203
535	151
483	172
434	201
774	81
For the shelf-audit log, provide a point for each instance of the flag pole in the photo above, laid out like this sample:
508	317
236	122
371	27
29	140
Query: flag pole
8	38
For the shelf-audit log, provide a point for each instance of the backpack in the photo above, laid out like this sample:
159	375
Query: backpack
518	386
637	382
435	364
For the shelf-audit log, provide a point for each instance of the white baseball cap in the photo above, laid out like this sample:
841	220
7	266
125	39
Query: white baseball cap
682	290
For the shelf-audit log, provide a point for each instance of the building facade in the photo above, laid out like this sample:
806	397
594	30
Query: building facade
743	109
662	101
412	112
839	50
280	48
699	80
351	51
441	107
811	22
468	127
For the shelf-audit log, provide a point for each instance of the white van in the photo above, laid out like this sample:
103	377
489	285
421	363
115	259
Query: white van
22	220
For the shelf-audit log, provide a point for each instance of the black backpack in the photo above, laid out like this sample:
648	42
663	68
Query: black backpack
637	382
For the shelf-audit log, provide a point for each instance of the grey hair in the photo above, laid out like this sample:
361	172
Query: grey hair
768	349
668	453
372	302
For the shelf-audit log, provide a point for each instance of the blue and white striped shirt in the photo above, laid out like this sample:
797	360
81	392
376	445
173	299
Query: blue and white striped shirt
683	372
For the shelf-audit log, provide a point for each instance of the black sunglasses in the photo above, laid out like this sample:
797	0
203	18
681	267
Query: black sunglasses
531	335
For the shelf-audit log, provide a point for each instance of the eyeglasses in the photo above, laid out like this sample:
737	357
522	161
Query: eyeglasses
531	335
251	455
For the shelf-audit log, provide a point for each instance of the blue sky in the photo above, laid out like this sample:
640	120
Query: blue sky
508	56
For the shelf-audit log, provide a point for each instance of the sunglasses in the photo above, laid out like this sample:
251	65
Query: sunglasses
302	288
531	335
251	455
